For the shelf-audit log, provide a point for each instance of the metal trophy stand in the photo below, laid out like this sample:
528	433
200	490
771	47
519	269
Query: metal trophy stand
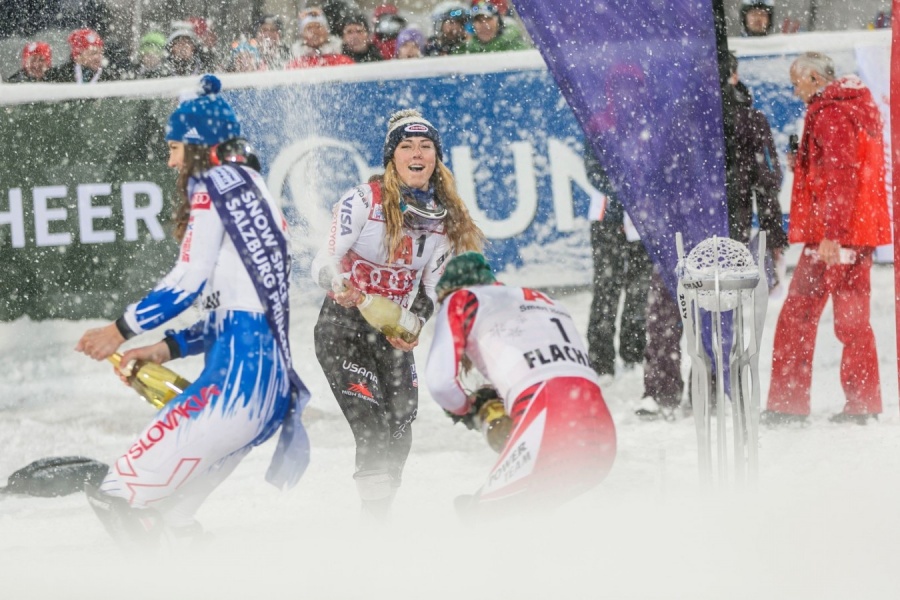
720	276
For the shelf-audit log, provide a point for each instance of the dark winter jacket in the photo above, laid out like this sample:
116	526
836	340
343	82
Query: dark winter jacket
615	212
438	46
755	173
65	73
372	54
21	76
839	189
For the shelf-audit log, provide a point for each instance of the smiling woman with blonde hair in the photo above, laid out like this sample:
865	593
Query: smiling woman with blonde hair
389	237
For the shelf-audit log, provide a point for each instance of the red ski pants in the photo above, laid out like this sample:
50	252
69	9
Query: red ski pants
563	443
849	287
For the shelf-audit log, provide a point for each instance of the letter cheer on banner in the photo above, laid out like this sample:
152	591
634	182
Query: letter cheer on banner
642	80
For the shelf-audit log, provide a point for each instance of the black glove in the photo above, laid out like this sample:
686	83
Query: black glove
477	399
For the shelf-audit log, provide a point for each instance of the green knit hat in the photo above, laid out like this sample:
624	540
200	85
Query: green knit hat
153	43
469	268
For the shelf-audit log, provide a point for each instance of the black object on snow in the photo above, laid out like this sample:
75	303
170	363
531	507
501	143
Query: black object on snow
56	476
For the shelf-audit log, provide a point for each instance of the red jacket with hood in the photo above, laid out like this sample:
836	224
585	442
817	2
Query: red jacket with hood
839	176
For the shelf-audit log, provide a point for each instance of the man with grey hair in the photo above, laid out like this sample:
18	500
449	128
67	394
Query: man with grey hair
839	212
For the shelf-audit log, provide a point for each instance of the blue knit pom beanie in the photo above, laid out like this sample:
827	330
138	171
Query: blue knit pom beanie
206	120
406	124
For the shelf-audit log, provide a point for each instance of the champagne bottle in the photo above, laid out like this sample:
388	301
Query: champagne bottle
155	383
388	317
495	424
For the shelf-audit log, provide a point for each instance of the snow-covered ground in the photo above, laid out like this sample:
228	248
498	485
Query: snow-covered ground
822	523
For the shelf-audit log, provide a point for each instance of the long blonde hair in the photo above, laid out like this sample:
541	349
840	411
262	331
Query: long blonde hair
462	232
196	161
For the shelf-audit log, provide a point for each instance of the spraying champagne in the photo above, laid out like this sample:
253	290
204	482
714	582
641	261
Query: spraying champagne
386	316
155	383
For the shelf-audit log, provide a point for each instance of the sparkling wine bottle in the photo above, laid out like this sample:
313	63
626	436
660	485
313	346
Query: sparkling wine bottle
390	318
495	424
155	383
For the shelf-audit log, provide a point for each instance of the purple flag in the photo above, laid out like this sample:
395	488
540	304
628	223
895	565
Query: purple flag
642	79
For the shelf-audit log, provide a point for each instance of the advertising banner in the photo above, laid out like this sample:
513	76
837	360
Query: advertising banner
84	200
85	194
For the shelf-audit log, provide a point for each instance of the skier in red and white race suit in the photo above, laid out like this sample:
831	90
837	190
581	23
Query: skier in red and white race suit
563	440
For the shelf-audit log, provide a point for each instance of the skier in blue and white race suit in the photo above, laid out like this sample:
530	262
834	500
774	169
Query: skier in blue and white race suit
244	391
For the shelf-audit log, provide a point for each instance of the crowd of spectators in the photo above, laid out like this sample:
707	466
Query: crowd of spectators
334	33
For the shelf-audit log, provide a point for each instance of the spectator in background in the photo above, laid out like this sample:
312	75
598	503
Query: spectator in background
757	17
355	37
315	39
336	11
410	43
839	211
86	64
206	43
36	60
151	54
622	268
273	52
491	35
182	51
791	25
449	20
244	58
388	24
756	173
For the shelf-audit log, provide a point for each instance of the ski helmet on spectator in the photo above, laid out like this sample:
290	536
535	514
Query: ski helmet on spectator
767	5
483	8
206	120
388	22
502	6
448	11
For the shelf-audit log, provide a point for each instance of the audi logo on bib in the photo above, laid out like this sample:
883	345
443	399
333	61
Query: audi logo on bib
385	281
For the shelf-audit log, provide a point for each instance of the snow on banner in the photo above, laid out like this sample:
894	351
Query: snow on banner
84	204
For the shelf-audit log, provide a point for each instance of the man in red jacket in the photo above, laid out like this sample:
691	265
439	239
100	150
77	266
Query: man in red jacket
839	212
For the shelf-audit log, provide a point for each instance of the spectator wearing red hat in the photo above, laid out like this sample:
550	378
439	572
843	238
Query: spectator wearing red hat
86	64
36	61
502	6
207	38
388	25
